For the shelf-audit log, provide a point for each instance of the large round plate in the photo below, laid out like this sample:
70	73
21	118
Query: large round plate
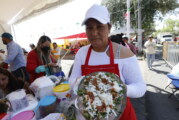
101	96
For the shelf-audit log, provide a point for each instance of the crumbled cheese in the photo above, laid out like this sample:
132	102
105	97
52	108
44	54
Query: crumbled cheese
104	87
107	98
102	95
116	87
97	102
89	109
91	88
114	112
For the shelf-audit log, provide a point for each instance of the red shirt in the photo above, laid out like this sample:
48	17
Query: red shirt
33	61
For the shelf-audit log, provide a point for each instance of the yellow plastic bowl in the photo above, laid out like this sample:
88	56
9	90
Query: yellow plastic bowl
61	90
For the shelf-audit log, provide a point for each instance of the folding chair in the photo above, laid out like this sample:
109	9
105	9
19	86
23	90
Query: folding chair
172	77
175	83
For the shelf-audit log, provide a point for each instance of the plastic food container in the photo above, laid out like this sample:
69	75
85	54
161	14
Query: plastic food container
62	91
65	82
26	115
47	105
17	99
33	102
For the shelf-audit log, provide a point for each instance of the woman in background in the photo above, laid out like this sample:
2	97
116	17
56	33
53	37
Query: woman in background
132	47
40	61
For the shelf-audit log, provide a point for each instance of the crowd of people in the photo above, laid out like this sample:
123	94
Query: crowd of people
110	54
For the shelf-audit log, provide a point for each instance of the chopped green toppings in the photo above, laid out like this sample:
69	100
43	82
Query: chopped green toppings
118	100
102	94
81	92
86	115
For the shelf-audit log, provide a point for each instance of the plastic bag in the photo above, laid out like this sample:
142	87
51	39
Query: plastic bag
42	87
70	111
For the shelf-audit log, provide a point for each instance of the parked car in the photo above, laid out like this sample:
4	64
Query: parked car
165	37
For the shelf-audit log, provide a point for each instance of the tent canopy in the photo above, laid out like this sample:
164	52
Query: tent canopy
80	35
14	10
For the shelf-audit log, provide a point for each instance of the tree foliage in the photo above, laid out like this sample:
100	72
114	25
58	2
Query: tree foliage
150	11
171	26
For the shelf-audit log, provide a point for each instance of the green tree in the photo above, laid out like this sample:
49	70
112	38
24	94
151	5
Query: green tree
151	10
171	26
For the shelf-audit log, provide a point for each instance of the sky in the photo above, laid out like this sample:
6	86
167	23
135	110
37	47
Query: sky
160	25
62	21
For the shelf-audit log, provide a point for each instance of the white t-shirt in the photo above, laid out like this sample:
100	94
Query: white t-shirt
129	70
150	47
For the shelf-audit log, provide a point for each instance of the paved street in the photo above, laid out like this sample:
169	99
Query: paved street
155	105
158	105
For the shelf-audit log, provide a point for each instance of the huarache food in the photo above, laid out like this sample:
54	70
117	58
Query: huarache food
102	95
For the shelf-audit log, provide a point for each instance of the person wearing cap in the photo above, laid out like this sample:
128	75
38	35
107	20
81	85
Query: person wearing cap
129	45
102	54
150	51
15	57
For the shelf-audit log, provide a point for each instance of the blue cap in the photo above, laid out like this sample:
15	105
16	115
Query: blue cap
7	35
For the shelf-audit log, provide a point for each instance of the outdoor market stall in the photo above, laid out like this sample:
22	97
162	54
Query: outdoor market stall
55	100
